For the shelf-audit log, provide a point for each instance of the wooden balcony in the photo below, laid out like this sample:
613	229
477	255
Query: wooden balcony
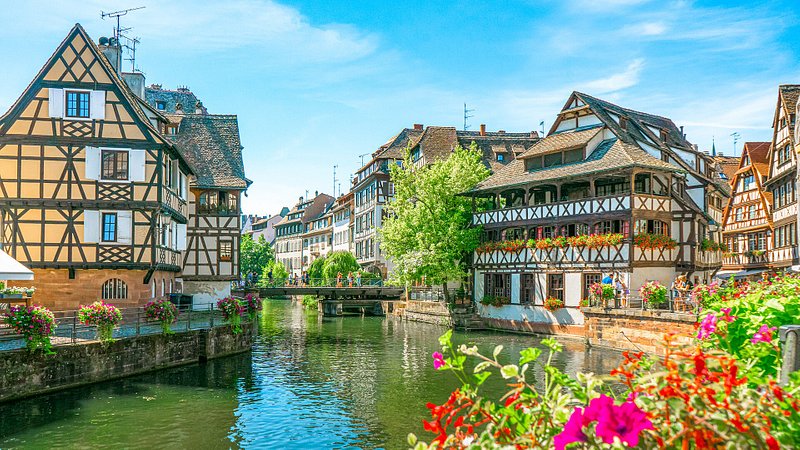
708	258
582	207
745	261
616	256
174	202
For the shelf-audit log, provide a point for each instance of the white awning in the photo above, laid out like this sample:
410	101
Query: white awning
10	269
726	274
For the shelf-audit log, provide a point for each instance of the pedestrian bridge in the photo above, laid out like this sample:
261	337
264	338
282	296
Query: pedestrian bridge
335	300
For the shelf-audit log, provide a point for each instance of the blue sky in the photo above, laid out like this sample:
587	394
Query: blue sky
318	83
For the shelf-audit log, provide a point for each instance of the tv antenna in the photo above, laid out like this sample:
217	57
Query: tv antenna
467	115
362	158
735	135
334	180
118	30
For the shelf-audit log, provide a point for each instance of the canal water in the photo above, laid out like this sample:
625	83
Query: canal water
310	383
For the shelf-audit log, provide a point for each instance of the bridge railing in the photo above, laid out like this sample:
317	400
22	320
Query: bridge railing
320	282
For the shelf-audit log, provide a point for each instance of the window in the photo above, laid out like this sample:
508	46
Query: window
611	226
114	165
161	106
109	227
225	250
527	288
588	280
114	289
748	182
574	155
751	212
651	226
739	214
497	285
501	157
555	285
78	104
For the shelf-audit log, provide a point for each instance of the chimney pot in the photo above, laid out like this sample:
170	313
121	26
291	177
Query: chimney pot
483	129
501	131
316	193
418	126
534	134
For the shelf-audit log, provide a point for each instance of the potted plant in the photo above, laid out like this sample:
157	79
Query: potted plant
163	311
253	305
232	311
553	304
654	294
12	292
102	315
35	323
601	294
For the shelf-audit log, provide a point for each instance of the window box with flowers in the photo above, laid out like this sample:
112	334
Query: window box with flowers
496	301
654	241
707	245
553	304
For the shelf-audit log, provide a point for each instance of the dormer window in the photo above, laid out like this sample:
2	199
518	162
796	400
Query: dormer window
623	123
501	157
161	106
554	159
663	136
78	104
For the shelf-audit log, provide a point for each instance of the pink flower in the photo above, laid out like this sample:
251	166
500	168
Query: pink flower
728	317
764	334
707	326
573	430
438	360
624	422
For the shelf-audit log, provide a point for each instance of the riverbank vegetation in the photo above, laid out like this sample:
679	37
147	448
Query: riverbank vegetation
717	389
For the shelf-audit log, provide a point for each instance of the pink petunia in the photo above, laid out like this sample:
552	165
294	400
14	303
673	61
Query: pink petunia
707	326
573	430
764	334
438	360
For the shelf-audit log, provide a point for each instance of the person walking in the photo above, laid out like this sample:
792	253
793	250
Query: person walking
269	276
339	279
358	278
350	279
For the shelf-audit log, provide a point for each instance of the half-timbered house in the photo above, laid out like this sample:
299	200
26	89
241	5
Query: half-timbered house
92	195
289	231
782	180
602	170
747	225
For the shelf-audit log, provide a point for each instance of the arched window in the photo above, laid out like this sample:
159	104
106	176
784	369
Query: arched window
114	289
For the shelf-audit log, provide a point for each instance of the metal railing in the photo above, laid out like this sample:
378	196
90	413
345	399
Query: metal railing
674	304
318	282
69	330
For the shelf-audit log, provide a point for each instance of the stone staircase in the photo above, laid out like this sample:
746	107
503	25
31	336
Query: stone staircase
465	318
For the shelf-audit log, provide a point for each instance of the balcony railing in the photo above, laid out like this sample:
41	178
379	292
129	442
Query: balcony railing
746	259
168	256
173	201
587	206
613	255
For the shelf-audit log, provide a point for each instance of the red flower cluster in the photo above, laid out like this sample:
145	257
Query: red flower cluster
654	241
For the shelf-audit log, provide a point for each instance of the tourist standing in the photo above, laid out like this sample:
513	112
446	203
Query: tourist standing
269	276
350	279
339	279
358	278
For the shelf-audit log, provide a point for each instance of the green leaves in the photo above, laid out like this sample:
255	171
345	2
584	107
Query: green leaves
509	371
529	355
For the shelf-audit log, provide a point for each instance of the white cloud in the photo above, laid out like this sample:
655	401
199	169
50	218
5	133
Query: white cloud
646	29
625	79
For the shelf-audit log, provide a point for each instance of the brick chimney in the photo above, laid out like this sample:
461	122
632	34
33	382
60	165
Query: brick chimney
111	49
501	131
483	129
418	126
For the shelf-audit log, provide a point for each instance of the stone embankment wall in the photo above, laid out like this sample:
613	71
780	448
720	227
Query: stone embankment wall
23	374
428	312
532	319
631	329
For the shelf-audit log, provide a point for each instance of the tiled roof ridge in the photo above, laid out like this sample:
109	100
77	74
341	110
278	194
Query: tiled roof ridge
629	110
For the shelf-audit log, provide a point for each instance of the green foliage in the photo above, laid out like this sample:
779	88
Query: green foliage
316	272
310	302
427	231
337	262
279	274
255	255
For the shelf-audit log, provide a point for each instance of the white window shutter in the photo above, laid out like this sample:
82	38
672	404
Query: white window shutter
92	163
181	235
136	164
91	226
124	227
182	185
97	105
176	172
56	102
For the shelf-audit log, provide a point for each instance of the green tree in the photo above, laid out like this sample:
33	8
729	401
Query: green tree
255	255
279	273
427	231
315	271
339	261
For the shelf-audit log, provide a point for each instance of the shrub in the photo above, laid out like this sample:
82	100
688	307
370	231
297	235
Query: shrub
252	304
553	304
232	310
279	274
102	315
653	293
163	311
35	323
315	272
340	261
310	302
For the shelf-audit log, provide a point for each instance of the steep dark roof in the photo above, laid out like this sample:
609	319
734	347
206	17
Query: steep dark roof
396	147
728	165
171	98
311	209
212	146
609	154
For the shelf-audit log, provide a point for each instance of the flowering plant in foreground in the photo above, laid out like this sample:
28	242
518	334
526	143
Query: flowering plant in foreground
35	323
691	397
102	315
253	304
163	311
232	310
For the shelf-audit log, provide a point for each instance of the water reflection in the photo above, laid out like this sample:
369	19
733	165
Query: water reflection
310	382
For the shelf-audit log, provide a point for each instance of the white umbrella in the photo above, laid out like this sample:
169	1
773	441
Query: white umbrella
10	269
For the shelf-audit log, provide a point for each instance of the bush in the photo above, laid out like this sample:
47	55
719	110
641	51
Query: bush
491	300
279	274
232	310
102	315
35	323
163	311
315	272
310	302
